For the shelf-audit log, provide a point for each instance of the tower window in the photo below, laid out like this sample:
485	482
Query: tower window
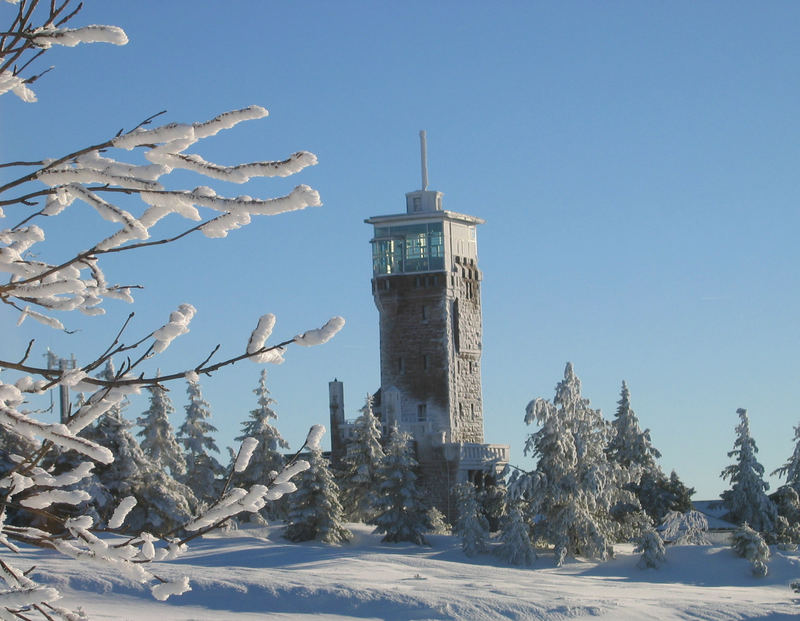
425	362
424	312
400	366
422	413
417	203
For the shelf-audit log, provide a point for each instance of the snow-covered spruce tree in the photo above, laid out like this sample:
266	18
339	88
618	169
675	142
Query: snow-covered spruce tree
267	459
650	545
40	198
157	436
471	525
749	544
314	509
515	546
203	471
401	510
12	447
747	500
573	486
492	494
162	503
361	465
785	535
659	495
690	528
787	504
632	451
439	523
791	469
628	445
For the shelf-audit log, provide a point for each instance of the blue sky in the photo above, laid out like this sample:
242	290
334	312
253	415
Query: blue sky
635	164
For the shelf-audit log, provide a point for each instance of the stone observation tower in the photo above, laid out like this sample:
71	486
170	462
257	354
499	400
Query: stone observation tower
426	284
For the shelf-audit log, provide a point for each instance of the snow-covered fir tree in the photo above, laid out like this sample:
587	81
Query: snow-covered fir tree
573	486
12	447
157	436
650	545
361	466
267	459
401	510
515	546
689	528
658	494
628	445
162	503
439	523
314	509
492	494
202	469
61	460
471	524
749	544
747	500
786	535
787	504
791	469
787	496
632	452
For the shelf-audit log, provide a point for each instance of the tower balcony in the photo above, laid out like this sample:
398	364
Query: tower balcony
473	456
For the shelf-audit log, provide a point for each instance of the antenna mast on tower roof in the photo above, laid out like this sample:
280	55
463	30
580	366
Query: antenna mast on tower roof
423	145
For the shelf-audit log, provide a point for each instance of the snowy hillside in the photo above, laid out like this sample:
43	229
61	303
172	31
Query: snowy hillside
254	574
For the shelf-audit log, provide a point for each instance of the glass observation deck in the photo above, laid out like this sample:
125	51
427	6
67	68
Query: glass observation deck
408	248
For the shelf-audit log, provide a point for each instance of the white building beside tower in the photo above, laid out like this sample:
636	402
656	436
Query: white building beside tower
426	285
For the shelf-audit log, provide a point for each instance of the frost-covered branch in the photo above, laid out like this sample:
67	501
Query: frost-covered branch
129	198
78	378
25	42
65	285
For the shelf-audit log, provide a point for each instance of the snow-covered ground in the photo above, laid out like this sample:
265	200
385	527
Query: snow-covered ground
254	574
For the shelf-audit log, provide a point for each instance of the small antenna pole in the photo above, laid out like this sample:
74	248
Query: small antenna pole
423	145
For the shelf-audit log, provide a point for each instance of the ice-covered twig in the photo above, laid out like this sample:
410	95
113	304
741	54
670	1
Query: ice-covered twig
314	437
70	37
320	335
245	453
61	286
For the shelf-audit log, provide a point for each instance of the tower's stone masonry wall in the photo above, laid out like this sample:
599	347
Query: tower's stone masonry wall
465	372
413	320
439	476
